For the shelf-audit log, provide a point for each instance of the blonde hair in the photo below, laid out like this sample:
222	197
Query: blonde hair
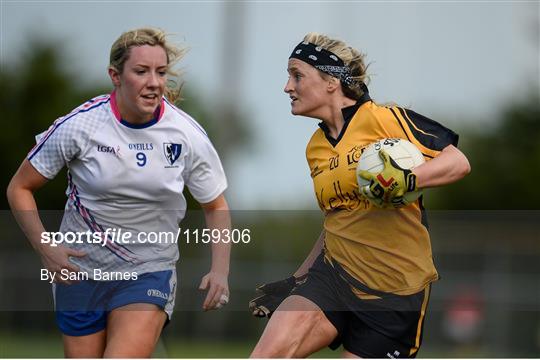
351	58
120	51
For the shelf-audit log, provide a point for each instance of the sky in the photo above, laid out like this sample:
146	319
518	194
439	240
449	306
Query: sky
454	61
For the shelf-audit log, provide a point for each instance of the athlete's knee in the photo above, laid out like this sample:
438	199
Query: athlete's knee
143	347
276	347
87	346
285	334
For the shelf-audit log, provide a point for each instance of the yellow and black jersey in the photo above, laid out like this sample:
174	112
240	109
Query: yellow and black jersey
388	250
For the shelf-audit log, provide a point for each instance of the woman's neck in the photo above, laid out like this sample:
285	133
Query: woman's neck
334	117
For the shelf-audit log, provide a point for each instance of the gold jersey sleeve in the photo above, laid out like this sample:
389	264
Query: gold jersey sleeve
386	249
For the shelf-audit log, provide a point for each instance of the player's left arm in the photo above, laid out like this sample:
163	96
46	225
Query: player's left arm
217	216
449	166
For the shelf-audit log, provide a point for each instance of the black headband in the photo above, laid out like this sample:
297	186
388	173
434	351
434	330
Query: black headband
323	60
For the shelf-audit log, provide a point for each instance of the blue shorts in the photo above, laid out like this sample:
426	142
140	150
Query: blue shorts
82	308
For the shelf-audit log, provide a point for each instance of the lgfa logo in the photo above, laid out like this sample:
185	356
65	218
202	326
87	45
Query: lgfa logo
109	149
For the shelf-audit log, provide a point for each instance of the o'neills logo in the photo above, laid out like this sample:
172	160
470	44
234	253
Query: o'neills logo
157	293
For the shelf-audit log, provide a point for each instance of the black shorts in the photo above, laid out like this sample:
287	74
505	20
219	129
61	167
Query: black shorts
388	326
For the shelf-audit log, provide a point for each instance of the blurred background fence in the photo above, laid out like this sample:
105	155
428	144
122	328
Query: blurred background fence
487	303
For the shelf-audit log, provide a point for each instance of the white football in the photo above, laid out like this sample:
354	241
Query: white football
403	152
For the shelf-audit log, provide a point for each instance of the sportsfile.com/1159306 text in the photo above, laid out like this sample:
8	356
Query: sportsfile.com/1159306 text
120	236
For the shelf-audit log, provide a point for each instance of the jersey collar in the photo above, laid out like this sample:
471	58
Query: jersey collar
348	113
158	114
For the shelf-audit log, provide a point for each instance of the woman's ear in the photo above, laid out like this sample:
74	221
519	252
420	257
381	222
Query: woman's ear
115	76
333	84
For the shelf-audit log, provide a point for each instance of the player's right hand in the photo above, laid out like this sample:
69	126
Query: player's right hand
56	258
271	296
218	290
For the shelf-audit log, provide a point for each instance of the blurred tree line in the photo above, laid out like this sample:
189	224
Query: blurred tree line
39	88
505	161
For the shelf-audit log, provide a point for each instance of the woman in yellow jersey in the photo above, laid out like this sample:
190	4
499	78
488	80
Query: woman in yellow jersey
365	284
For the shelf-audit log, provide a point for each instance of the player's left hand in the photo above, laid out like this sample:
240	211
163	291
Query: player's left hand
217	295
271	295
388	186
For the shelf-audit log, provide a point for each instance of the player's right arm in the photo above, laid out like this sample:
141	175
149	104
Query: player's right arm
20	195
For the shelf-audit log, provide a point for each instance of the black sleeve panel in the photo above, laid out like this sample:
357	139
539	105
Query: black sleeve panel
429	133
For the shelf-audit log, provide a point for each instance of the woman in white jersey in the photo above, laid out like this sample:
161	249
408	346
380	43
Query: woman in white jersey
129	156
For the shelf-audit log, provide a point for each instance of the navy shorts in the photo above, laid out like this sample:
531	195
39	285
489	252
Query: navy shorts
82	308
386	326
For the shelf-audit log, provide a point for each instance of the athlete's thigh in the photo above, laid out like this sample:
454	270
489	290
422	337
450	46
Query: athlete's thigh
297	328
133	330
87	346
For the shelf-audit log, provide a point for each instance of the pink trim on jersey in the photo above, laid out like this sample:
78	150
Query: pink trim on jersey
161	109
114	106
116	249
95	100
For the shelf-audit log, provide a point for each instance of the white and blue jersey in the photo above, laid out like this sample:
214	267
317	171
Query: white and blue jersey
128	177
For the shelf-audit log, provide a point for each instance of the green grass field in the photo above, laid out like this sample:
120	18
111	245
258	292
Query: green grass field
50	346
